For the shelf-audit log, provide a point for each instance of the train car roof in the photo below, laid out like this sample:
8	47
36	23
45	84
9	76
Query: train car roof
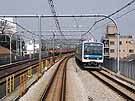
89	41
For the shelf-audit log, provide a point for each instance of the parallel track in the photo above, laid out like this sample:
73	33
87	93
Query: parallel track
122	89
13	68
11	74
14	71
55	89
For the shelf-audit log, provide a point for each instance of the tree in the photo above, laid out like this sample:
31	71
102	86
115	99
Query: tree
3	24
6	27
5	42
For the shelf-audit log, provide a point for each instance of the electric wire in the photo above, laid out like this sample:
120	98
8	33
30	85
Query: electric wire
51	5
20	26
116	18
117	11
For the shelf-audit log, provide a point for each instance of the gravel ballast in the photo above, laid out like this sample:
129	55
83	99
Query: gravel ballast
80	86
94	88
74	87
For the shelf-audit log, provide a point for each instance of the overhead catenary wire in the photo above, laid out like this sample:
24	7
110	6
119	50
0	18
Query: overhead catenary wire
19	26
28	31
116	18
117	11
51	5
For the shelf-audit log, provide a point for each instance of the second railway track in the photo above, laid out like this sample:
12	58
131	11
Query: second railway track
124	90
56	86
10	69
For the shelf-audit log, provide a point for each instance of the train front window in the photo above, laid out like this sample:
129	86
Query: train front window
93	50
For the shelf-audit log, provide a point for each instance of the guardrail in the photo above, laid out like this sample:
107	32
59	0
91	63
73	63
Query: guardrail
127	67
19	80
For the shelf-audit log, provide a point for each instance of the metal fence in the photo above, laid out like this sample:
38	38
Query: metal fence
127	67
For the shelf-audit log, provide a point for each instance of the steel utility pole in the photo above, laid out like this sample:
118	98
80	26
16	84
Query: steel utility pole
53	46
33	47
40	43
118	55
53	42
11	47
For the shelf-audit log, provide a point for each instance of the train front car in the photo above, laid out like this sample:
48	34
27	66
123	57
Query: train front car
92	54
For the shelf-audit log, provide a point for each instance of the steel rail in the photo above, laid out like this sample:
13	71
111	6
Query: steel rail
121	88
6	66
120	77
4	72
56	85
18	71
9	69
13	74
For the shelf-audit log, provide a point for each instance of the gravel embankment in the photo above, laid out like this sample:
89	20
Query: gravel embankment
94	88
74	87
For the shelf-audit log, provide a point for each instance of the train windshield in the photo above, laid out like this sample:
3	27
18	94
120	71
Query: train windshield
93	49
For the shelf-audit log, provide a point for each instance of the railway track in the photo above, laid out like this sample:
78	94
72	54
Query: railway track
10	75
2	67
9	69
122	89
55	89
15	67
17	75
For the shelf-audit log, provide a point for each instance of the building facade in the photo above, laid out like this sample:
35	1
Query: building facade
126	44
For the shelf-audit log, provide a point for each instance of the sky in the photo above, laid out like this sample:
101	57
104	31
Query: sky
73	7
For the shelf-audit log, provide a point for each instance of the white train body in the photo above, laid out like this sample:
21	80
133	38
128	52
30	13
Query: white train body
90	53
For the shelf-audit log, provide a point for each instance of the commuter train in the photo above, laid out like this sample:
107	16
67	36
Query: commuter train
90	54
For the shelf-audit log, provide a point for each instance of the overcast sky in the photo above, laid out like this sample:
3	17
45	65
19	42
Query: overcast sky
126	24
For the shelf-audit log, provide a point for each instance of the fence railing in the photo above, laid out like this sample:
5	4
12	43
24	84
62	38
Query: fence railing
127	67
19	81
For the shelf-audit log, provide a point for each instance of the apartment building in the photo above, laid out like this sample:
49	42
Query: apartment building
127	45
